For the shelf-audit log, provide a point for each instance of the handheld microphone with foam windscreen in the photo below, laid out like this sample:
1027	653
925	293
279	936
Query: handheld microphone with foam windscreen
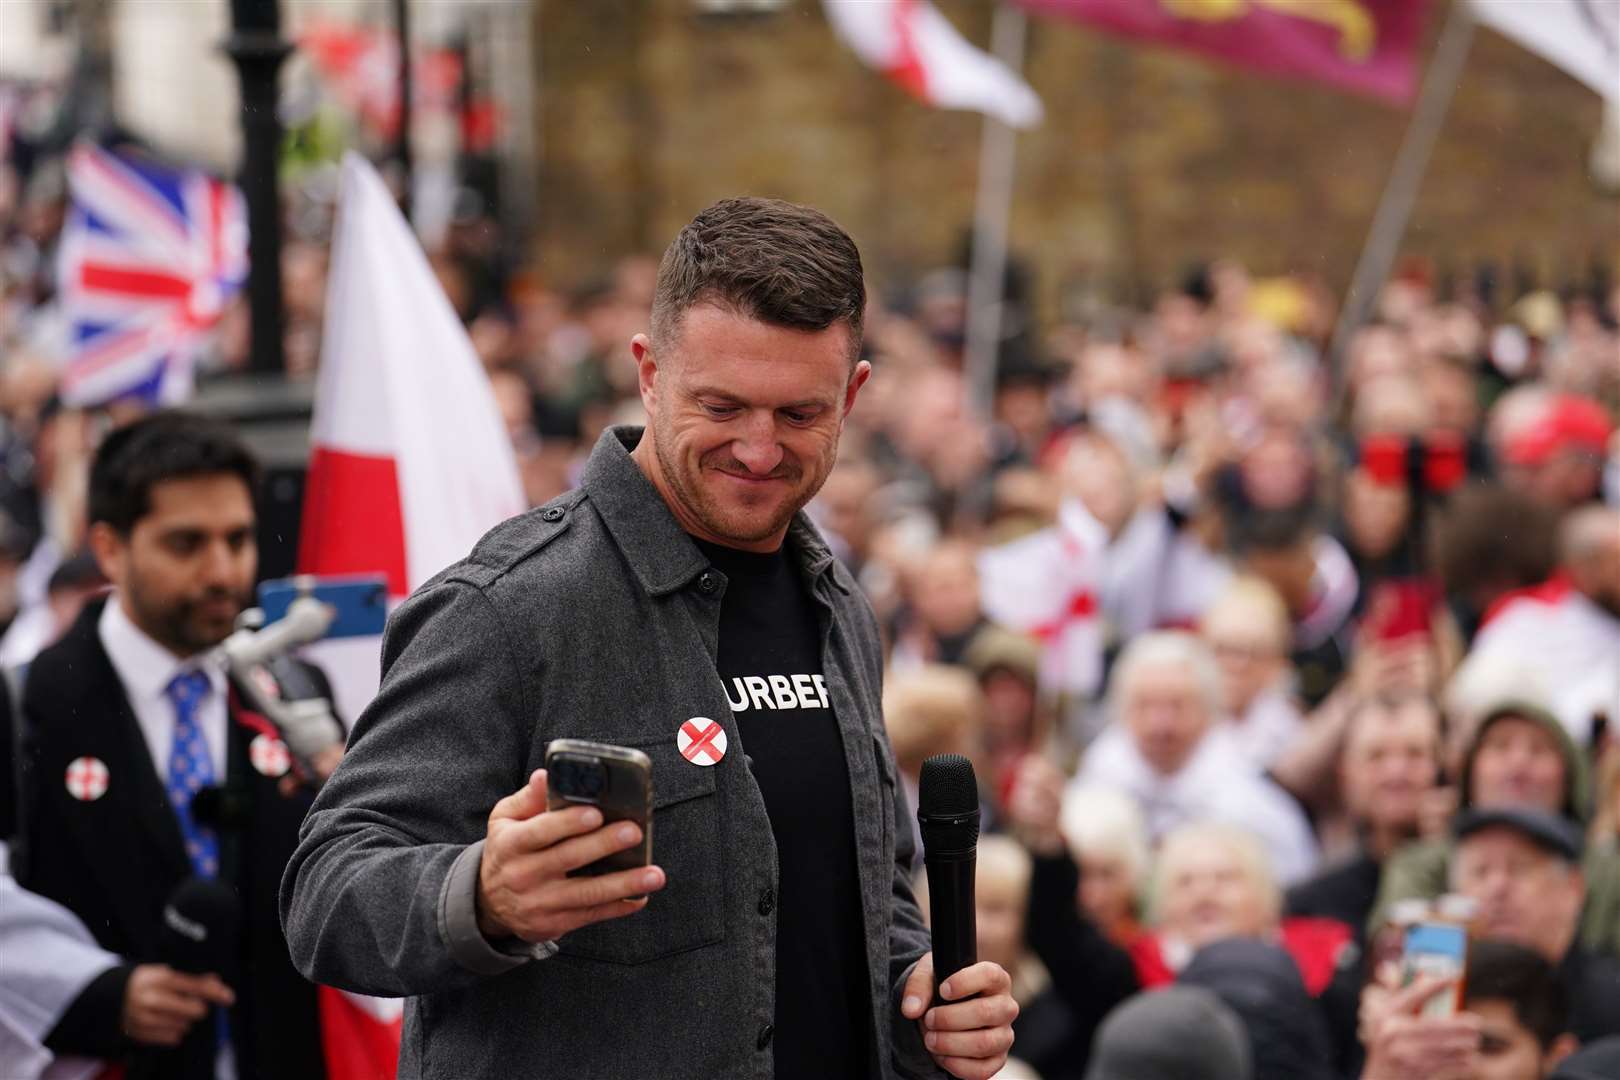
201	924
948	815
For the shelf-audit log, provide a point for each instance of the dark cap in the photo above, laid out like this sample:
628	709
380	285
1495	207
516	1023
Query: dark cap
1178	1033
1552	833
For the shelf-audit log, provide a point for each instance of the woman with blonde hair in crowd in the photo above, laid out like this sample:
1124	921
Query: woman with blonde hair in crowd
1107	839
928	710
1043	1030
1211	882
1248	630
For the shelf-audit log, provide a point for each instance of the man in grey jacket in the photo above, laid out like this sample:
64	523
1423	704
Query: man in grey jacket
680	587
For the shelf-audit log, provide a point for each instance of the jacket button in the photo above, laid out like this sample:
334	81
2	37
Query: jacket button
767	901
765	1034
708	582
552	513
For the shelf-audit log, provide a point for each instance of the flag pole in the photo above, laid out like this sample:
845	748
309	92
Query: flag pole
992	208
1400	191
402	148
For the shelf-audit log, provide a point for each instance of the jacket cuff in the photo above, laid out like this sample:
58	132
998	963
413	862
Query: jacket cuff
458	923
909	1056
93	1023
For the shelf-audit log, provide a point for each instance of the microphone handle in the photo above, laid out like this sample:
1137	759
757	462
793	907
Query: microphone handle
950	901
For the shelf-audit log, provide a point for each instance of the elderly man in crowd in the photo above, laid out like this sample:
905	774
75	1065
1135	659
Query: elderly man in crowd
1519	756
1168	750
1523	868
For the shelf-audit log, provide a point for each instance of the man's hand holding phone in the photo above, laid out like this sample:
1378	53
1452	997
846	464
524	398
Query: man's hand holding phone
1404	1043
524	890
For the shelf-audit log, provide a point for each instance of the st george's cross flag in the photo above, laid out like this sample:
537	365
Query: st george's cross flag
149	257
1048	584
915	46
410	465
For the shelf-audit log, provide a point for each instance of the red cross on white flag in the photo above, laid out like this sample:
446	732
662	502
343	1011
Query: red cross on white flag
87	778
269	756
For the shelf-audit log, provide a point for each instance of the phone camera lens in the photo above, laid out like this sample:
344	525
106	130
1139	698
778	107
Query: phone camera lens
578	778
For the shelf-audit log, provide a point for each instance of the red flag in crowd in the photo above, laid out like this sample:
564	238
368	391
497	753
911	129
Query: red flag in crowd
361	65
411	463
1368	46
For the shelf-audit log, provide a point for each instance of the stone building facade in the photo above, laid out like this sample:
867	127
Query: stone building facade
1148	158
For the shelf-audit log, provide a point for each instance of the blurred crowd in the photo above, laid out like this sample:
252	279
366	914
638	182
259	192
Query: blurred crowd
1250	655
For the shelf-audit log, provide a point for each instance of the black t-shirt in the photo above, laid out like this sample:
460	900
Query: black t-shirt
770	662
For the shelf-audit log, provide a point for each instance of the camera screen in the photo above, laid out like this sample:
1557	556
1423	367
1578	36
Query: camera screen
581	779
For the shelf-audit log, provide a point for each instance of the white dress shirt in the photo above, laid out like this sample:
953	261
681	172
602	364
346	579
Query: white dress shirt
146	669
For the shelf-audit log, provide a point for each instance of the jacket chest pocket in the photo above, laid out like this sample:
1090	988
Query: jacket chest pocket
689	911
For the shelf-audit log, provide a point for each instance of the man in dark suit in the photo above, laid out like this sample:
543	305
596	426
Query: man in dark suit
141	770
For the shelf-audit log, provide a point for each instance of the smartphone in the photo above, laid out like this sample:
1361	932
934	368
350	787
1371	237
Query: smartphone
1399	609
1439	949
615	779
361	601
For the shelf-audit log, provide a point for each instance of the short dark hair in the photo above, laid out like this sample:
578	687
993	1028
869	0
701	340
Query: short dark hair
1389	701
1503	971
169	445
770	260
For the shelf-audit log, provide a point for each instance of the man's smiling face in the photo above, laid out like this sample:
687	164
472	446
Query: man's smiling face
745	420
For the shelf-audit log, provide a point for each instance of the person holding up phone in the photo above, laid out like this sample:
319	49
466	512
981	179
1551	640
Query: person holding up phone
1514	1023
681	605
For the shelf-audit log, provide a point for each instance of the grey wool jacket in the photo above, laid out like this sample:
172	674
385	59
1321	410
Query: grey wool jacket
592	617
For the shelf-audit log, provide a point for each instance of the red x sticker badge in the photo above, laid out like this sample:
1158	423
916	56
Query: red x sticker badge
701	741
87	778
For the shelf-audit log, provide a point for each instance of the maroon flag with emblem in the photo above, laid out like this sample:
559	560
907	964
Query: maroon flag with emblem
1367	46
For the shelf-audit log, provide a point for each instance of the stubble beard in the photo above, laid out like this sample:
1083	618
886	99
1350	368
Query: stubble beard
177	626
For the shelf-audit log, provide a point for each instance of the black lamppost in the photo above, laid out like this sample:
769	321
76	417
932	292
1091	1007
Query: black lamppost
258	48
402	150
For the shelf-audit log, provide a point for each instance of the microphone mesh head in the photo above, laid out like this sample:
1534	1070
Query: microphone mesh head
947	787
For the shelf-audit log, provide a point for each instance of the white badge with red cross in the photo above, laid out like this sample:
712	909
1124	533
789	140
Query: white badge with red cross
87	778
269	756
701	741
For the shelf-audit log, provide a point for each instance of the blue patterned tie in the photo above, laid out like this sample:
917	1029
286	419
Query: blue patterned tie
191	769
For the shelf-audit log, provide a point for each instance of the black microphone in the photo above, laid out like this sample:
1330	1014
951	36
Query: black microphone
221	808
201	924
948	814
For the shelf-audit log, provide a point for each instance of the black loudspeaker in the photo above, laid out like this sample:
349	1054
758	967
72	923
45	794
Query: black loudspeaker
272	416
281	507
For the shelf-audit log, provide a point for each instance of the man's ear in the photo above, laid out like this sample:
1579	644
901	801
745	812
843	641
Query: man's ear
109	549
857	379
1563	1046
646	370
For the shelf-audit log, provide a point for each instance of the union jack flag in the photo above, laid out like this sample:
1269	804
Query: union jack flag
150	256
